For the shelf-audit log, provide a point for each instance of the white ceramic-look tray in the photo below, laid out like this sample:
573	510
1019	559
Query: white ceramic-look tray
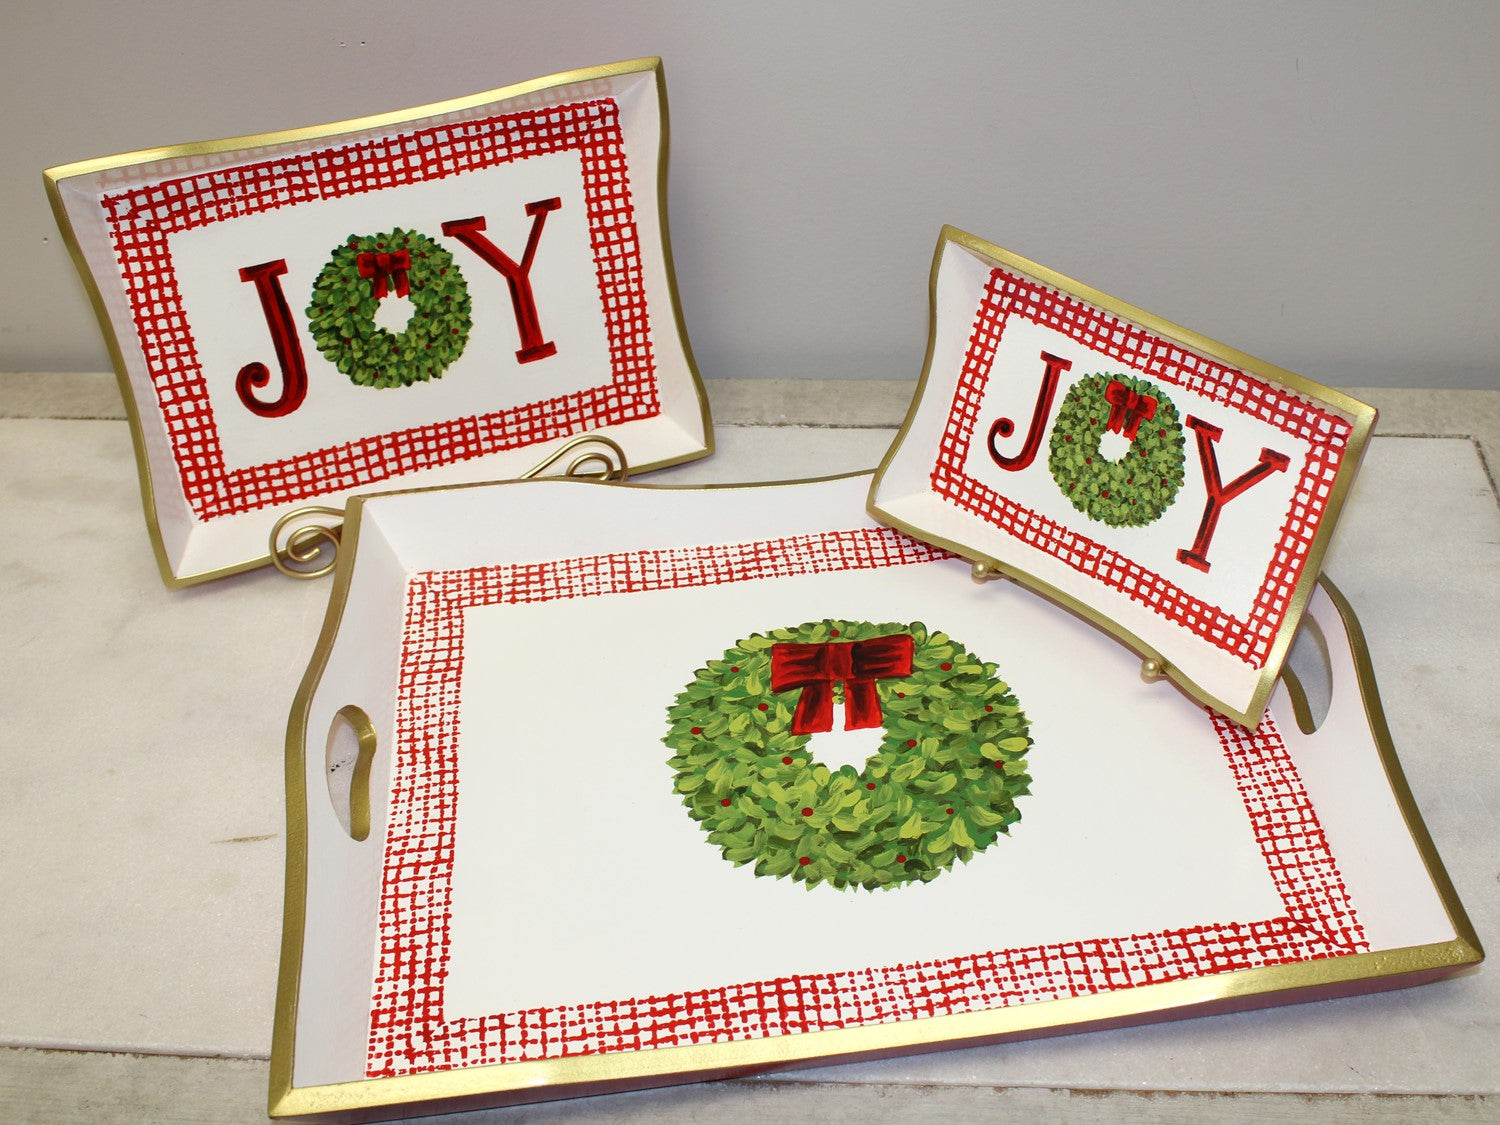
496	890
435	296
1173	490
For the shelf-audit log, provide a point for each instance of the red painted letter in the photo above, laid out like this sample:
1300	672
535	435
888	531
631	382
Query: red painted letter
518	277
1004	427
288	350
1220	494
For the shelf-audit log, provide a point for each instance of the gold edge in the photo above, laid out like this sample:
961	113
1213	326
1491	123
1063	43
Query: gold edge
1361	416
673	296
921	386
1172	999
352	124
122	382
294	902
1395	776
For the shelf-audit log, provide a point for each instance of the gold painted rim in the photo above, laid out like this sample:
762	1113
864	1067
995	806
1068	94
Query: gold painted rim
600	1073
53	178
1362	419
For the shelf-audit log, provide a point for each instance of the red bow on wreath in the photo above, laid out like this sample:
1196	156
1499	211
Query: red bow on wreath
1127	408
816	667
384	270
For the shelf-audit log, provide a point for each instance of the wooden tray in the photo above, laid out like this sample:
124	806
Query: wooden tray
435	296
1176	492
532	703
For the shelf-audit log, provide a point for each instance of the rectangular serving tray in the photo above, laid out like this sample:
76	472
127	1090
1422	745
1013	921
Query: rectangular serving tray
1173	490
435	296
496	892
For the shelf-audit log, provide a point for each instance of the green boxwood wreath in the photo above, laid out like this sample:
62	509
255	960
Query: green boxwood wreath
341	315
941	787
1133	491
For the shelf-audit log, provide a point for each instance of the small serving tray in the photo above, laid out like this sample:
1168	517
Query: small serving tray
1178	493
532	701
440	295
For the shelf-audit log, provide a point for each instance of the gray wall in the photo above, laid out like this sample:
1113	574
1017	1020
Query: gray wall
1313	183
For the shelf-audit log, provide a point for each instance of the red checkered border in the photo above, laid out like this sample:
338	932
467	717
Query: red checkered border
1250	639
140	221
409	1033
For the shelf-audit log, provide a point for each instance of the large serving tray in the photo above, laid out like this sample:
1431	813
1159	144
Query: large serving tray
495	892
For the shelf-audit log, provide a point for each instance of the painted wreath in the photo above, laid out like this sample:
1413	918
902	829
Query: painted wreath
365	269
1141	484
941	787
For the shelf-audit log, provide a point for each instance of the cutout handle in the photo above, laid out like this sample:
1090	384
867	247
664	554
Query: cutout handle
350	752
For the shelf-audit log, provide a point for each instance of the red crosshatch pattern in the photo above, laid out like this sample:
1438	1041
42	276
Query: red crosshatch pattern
1249	639
141	220
410	1034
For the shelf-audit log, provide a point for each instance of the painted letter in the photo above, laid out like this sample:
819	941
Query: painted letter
1004	427
518	277
1220	494
288	348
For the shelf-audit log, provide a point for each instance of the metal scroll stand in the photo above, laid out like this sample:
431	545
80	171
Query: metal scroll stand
1152	668
305	542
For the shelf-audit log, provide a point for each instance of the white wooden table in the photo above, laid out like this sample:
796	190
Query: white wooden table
141	810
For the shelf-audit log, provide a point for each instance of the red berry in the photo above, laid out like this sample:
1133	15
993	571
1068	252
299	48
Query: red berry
946	666
987	707
869	785
900	859
950	812
807	812
725	802
697	730
1088	460
736	668
833	632
1161	433
786	761
763	706
999	765
804	861
1105	494
911	741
